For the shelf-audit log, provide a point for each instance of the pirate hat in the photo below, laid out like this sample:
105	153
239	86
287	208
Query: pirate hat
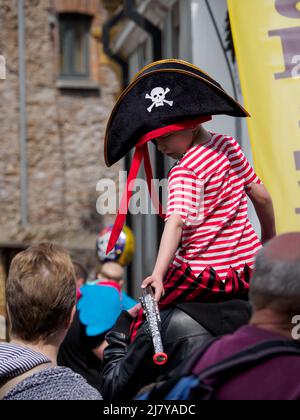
165	96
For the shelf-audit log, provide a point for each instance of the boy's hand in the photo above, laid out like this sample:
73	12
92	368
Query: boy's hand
156	283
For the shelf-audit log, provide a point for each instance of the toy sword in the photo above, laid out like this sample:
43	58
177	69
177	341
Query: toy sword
151	311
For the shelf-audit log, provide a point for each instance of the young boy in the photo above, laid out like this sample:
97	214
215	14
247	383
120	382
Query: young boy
223	238
208	246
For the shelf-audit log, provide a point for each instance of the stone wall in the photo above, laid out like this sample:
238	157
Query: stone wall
65	129
9	124
65	136
2	302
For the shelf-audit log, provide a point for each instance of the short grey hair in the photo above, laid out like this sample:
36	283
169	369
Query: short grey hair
274	283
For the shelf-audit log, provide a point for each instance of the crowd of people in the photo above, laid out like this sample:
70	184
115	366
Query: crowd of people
41	305
227	299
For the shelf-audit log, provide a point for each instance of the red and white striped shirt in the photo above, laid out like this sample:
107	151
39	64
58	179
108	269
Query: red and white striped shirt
207	187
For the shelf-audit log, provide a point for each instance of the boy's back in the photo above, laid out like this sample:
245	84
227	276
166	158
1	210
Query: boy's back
222	237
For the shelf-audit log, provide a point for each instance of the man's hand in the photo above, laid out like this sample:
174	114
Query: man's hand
156	283
135	310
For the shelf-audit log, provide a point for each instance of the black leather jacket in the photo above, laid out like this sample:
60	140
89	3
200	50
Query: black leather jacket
129	367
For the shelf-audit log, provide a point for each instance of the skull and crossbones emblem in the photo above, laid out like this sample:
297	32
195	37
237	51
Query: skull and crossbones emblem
157	97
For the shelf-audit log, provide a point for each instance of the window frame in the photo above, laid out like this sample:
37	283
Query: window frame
67	44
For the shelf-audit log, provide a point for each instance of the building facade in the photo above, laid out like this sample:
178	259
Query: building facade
55	101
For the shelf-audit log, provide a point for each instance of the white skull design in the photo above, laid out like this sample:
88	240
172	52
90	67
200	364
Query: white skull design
157	97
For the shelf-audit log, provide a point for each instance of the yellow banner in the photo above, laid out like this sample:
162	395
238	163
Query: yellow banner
266	36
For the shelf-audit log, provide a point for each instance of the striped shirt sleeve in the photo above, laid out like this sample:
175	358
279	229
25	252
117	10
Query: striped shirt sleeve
184	194
242	167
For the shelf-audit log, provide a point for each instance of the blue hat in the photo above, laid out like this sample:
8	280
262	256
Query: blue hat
100	306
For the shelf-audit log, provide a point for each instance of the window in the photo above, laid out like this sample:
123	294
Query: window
74	46
175	30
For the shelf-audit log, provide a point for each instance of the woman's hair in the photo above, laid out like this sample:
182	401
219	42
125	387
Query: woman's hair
40	292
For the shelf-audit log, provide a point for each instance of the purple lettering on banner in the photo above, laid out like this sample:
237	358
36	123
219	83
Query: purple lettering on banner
297	163
288	8
297	160
291	50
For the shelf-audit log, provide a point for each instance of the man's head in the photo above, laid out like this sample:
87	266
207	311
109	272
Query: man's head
40	292
275	285
112	271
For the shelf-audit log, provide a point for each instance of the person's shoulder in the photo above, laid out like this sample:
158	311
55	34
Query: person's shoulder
221	140
232	143
180	168
180	325
72	385
242	339
80	389
69	383
56	383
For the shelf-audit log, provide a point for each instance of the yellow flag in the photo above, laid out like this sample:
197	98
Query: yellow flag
266	35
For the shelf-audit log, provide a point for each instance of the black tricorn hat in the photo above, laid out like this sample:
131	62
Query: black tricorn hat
165	96
161	94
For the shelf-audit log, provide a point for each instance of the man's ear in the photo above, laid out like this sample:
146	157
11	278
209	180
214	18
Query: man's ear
80	282
69	322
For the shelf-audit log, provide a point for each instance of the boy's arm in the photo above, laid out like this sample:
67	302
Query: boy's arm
168	246
263	205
